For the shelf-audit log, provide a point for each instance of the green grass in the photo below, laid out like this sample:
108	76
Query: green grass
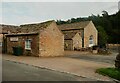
111	72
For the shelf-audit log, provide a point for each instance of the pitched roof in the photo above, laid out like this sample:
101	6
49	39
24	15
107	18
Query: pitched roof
22	34
10	28
24	28
78	25
34	27
69	35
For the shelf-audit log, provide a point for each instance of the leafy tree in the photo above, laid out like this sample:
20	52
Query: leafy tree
102	36
60	22
105	13
109	23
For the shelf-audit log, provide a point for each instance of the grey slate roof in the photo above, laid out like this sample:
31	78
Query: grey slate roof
78	25
26	28
22	34
8	28
36	27
69	35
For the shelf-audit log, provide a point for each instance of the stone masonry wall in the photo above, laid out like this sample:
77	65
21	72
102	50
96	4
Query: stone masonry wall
51	41
21	42
68	45
77	41
88	31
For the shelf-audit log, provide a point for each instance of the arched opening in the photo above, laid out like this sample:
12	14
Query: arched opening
91	42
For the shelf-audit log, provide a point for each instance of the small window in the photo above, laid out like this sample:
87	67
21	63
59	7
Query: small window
0	43
91	42
28	44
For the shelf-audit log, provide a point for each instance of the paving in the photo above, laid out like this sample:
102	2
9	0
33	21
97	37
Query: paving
82	68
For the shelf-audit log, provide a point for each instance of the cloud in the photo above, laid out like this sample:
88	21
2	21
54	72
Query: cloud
18	20
28	12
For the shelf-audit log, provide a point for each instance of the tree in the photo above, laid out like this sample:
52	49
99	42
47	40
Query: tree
109	23
60	22
105	13
102	36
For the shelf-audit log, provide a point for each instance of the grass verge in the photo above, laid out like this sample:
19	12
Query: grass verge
111	72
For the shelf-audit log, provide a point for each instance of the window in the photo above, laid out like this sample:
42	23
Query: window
0	43
91	41
28	44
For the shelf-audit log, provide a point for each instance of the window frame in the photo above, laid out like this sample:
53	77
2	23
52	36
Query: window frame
28	44
91	41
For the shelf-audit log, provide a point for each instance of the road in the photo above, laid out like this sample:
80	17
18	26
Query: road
21	72
96	58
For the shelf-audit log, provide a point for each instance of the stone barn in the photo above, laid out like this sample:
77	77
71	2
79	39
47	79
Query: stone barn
6	29
79	35
72	40
40	39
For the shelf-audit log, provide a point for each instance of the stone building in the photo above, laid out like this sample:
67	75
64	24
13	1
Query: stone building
6	29
79	35
40	39
9	29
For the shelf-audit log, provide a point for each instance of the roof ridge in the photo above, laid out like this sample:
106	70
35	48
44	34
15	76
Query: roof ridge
77	25
74	23
49	21
8	25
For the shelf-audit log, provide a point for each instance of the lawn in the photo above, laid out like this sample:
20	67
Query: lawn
111	72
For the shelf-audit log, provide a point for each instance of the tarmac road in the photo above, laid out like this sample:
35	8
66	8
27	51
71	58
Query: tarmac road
21	72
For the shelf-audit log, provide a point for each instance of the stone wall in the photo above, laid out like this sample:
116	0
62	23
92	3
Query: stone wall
21	42
74	40
113	47
1	37
88	31
68	45
77	41
51	41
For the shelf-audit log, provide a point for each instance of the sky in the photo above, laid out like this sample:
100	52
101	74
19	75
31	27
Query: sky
17	13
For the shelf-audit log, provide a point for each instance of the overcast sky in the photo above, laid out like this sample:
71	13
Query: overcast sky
31	12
